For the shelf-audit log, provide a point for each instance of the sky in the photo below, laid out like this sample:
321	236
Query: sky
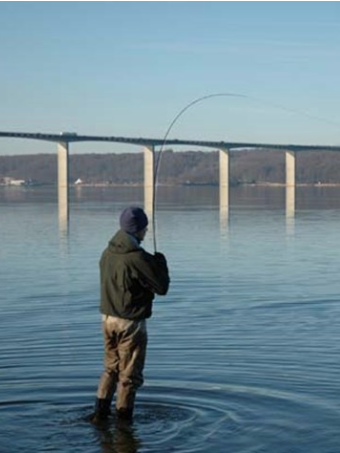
129	68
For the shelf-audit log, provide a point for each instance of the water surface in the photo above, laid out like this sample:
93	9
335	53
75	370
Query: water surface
243	352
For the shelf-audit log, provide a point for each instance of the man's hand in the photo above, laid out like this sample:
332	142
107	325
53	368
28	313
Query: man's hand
159	256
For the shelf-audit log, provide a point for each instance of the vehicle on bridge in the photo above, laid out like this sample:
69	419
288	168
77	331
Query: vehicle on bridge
69	134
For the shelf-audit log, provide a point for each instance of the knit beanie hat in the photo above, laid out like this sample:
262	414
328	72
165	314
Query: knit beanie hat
133	219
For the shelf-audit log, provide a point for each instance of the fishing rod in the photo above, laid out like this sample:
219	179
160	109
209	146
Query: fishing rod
164	141
187	107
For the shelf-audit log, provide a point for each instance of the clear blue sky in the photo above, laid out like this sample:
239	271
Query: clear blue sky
128	68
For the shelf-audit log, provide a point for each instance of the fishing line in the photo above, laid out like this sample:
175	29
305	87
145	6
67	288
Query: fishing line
201	99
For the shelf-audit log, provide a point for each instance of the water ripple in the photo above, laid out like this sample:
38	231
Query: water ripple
182	418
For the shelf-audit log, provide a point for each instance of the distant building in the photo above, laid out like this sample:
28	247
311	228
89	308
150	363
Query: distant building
13	182
9	181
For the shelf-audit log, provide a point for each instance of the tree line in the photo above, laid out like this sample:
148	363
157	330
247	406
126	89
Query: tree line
176	168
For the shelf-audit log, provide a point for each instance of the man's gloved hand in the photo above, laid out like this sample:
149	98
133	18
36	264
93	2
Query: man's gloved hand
159	256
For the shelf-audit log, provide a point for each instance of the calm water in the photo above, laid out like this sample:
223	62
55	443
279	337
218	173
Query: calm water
243	352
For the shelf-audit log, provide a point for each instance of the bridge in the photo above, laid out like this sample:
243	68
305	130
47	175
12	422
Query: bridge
64	139
69	137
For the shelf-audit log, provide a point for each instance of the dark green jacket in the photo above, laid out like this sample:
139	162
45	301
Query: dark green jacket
130	277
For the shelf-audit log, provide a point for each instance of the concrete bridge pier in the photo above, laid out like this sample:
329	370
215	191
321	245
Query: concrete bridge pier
149	179
290	183
63	190
224	184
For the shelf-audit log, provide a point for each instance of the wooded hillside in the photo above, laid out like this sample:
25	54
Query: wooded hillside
190	167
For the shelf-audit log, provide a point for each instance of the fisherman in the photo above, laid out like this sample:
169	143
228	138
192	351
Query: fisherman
129	277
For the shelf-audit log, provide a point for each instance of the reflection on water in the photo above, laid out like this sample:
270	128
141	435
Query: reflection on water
243	352
290	201
119	437
224	207
273	197
290	209
63	210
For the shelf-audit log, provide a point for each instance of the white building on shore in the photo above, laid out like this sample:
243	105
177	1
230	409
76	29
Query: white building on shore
8	181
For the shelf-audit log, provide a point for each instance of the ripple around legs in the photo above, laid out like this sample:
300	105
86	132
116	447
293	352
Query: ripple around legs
180	419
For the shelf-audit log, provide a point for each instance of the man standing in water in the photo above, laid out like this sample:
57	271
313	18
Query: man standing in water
129	277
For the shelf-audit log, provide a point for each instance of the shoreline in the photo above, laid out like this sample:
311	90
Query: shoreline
136	185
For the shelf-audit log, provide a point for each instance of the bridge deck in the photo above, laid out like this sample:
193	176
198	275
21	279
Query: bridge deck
72	137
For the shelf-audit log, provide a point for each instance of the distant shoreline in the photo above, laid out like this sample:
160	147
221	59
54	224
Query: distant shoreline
105	185
258	184
187	168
